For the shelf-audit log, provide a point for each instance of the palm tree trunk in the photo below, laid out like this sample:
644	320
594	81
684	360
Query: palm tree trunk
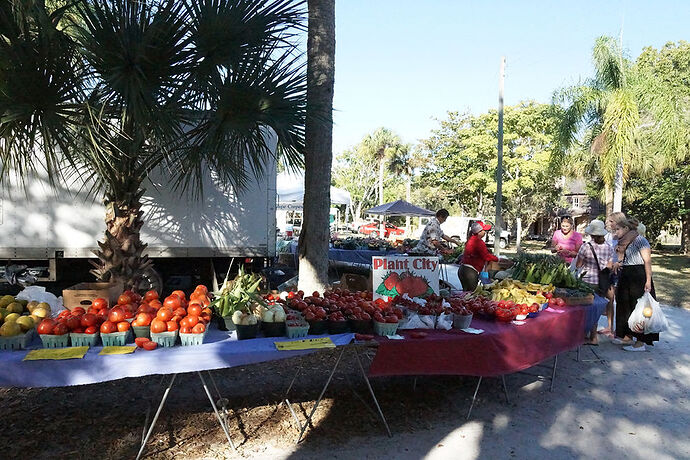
314	238
618	188
518	238
685	226
382	165
120	258
608	193
408	198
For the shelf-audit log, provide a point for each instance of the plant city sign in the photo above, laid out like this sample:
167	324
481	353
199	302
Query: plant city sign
397	275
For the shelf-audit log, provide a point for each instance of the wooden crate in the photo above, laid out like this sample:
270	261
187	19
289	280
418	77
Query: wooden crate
82	294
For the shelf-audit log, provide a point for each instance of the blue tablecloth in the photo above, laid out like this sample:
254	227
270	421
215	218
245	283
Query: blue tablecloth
595	311
220	350
359	256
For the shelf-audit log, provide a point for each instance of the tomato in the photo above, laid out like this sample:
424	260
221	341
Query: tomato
291	295
199	329
172	302
99	303
108	327
201	288
129	314
560	302
91	330
181	312
60	329
116	315
123	326
176	319
78	311
315	294
124	299
89	319
164	314
156	304
101	318
143	319
73	322
150	345
151	295
179	294
391	319
64	314
418	334
46	326
172	326
185	330
194	310
79	330
197	297
193	320
548	295
158	325
140	341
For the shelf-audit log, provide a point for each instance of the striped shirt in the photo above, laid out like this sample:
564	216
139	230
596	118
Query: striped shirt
589	267
632	252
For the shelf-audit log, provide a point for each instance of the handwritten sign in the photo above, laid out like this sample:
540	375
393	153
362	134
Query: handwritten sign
305	344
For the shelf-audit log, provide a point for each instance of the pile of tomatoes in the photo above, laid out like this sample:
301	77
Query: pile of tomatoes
342	305
175	312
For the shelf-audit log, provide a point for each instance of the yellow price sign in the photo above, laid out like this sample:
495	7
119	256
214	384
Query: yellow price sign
305	344
56	353
117	350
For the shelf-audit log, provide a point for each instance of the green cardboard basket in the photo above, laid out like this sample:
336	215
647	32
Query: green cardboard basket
188	340
165	339
115	339
84	340
54	341
142	331
17	342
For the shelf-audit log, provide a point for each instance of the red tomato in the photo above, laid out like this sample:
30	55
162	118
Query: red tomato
165	314
176	319
129	314
108	327
46	326
201	288
151	295
180	312
560	302
124	299
150	345
185	330
199	329
116	315
193	320
101	318
184	323
79	330
64	314
91	330
89	319
140	341
197	296
179	294
60	329
143	319
78	311
123	326
156	304
99	303
172	302
172	326
73	322
158	325
194	310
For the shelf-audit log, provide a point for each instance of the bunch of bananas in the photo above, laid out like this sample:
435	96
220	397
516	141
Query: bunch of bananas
240	294
514	290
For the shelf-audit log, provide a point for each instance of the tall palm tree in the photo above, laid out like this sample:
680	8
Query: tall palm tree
315	234
382	144
113	90
623	116
402	163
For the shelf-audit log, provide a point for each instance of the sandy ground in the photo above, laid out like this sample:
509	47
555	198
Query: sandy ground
631	405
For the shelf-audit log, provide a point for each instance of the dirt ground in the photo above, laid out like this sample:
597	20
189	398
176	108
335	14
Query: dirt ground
630	405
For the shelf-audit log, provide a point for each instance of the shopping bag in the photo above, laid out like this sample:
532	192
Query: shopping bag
444	321
647	317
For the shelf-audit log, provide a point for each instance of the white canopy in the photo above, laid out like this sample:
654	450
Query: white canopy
290	189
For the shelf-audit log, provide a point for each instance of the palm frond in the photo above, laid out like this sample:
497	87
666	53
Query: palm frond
610	63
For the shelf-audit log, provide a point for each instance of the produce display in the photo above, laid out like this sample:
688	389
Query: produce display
516	291
238	298
546	269
18	319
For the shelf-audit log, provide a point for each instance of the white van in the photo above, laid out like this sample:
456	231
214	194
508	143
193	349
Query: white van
459	227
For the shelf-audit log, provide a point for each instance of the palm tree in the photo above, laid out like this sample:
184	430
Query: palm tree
114	90
623	116
382	144
402	164
315	234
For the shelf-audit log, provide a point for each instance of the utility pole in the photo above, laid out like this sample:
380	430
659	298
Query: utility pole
498	226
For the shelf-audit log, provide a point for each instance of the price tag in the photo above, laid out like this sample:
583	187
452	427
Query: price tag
305	344
117	350
56	353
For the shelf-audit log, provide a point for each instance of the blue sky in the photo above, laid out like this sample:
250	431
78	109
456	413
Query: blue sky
402	63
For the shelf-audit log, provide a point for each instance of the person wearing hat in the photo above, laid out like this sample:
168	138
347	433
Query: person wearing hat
431	240
595	260
476	253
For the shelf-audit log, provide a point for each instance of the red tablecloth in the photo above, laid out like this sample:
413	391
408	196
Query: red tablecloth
502	348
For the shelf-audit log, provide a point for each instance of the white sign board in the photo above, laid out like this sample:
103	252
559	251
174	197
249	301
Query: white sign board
397	275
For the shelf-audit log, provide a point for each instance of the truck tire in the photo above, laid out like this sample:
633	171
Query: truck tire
502	243
150	280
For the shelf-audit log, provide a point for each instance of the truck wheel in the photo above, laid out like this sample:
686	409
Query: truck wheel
502	243
150	280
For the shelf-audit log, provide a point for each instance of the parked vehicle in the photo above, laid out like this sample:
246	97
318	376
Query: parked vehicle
460	228
373	229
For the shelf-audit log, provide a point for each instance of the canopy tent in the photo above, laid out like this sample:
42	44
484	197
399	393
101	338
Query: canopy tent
399	208
290	190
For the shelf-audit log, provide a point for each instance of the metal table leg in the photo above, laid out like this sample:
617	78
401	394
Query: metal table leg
476	390
553	373
155	417
371	391
505	388
213	404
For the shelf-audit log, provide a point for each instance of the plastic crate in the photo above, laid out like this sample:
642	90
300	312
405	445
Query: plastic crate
115	339
188	340
84	340
17	342
54	341
165	339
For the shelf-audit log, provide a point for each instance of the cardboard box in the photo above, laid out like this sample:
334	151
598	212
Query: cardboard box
353	282
82	294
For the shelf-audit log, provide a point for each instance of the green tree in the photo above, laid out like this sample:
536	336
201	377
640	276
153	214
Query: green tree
120	88
382	145
357	172
315	234
624	116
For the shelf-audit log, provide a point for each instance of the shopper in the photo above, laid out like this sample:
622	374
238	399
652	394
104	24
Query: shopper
634	268
431	241
595	259
566	241
476	253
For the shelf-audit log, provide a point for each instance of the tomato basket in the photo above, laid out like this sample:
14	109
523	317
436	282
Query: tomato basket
84	340
462	321
246	331
361	326
273	329
318	327
115	339
54	341
338	327
165	339
385	328
142	331
294	332
17	342
189	340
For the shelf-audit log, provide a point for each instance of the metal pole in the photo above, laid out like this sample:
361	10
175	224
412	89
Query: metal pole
499	167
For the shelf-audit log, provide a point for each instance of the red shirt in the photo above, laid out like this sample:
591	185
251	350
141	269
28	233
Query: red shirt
476	253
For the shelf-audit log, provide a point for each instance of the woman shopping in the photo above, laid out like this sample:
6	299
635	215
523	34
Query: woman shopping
634	268
566	242
595	259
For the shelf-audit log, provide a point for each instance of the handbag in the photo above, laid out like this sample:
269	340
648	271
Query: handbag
604	275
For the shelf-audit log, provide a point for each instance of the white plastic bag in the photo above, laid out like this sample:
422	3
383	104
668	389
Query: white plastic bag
647	323
39	294
413	322
444	321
